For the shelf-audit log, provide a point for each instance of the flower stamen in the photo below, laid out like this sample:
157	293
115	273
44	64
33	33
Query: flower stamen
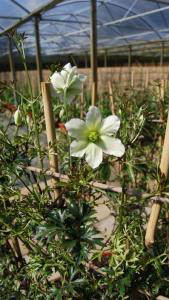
93	136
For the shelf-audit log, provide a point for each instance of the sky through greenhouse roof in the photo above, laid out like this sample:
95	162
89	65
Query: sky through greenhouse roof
65	28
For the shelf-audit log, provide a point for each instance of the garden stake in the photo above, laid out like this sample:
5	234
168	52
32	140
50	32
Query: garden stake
155	211
162	298
147	79
162	89
132	78
111	98
160	94
50	131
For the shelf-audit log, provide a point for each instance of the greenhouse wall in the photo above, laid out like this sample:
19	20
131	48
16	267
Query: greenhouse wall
138	76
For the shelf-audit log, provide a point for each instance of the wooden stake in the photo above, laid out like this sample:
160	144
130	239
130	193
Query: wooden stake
50	131
111	98
65	178
132	78
162	89
161	101
162	298
147	78
164	167
94	93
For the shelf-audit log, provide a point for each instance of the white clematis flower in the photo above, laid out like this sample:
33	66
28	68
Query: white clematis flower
95	137
67	82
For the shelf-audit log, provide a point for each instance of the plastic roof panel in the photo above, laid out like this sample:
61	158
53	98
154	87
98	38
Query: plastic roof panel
31	4
65	28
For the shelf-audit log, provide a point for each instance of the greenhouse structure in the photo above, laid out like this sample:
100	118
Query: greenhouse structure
83	28
84	149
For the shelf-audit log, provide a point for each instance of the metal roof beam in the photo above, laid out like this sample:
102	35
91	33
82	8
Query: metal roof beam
21	6
134	14
115	29
130	9
10	18
147	13
64	21
35	12
159	1
121	20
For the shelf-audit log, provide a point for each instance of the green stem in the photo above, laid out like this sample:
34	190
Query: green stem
16	132
33	111
20	47
69	139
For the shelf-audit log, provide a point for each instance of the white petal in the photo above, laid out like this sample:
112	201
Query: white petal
66	71
93	117
67	67
78	148
94	155
110	125
74	70
64	74
112	146
57	81
76	128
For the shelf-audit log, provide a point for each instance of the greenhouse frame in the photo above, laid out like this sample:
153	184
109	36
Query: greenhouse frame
71	27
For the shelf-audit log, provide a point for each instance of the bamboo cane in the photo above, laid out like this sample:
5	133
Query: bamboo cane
132	78
162	298
111	97
65	178
162	89
50	131
147	79
94	93
161	100
164	167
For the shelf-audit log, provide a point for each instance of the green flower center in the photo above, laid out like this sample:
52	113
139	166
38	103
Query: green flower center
93	136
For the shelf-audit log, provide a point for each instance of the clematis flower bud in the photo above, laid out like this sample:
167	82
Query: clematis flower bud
61	113
18	117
